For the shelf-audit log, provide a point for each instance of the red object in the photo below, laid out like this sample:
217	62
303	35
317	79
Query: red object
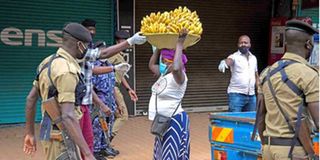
220	155
223	155
276	39
86	127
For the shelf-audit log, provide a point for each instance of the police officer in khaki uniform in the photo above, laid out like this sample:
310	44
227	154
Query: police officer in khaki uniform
65	72
65	77
279	103
122	115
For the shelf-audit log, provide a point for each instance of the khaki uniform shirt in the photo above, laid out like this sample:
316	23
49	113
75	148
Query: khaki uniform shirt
117	59
64	74
305	78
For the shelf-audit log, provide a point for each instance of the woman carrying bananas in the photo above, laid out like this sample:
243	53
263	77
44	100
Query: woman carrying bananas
167	94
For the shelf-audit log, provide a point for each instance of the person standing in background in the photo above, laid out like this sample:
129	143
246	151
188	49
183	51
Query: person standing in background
244	77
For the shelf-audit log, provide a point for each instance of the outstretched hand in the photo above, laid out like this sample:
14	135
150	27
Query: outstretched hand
30	144
137	39
222	66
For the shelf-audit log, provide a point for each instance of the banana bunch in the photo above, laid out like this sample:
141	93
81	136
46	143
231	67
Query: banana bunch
172	22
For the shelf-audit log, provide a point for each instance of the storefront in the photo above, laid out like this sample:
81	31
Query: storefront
30	31
223	22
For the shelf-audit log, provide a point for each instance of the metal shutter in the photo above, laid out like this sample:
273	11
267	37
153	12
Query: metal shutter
18	62
311	12
223	22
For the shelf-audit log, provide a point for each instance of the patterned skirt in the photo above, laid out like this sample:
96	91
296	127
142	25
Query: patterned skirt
175	145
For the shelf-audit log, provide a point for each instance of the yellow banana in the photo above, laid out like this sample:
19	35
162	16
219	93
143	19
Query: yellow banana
172	21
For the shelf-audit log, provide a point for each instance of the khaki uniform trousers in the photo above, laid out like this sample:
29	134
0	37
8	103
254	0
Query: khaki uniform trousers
52	149
276	152
120	119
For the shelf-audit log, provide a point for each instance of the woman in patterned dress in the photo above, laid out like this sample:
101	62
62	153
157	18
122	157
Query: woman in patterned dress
167	94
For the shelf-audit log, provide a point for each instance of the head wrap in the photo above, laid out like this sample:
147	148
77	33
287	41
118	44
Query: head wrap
77	31
89	23
169	54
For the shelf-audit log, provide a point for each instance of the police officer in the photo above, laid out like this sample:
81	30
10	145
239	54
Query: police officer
65	72
122	114
289	89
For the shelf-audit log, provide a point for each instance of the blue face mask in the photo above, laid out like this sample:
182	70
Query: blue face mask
163	68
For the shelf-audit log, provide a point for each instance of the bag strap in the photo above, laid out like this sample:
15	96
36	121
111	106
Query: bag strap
277	102
298	123
174	110
281	65
49	69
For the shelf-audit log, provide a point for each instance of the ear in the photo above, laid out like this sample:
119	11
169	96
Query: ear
308	44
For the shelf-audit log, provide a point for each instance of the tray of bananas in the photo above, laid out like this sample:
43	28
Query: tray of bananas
162	29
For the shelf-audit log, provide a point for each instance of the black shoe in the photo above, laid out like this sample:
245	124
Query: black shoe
115	151
99	156
111	138
108	152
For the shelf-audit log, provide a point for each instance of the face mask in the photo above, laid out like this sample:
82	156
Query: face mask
83	53
163	68
244	49
311	52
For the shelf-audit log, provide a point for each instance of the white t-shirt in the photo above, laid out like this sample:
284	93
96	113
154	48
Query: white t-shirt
169	95
243	71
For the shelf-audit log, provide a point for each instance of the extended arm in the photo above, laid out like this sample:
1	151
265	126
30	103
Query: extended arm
177	69
131	92
261	114
225	64
29	146
112	50
71	124
313	107
229	62
102	70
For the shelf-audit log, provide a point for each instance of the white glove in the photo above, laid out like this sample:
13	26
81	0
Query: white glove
137	39
154	49
122	68
223	66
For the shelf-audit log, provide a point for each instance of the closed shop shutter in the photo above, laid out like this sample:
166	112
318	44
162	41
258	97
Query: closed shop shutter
311	12
223	22
29	31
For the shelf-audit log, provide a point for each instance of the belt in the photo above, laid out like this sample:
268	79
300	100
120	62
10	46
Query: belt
279	141
56	135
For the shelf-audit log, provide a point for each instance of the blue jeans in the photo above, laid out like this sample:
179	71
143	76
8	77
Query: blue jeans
241	103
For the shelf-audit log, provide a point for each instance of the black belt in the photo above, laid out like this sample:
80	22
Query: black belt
278	141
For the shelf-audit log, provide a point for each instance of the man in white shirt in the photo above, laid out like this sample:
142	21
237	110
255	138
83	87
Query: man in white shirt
244	77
